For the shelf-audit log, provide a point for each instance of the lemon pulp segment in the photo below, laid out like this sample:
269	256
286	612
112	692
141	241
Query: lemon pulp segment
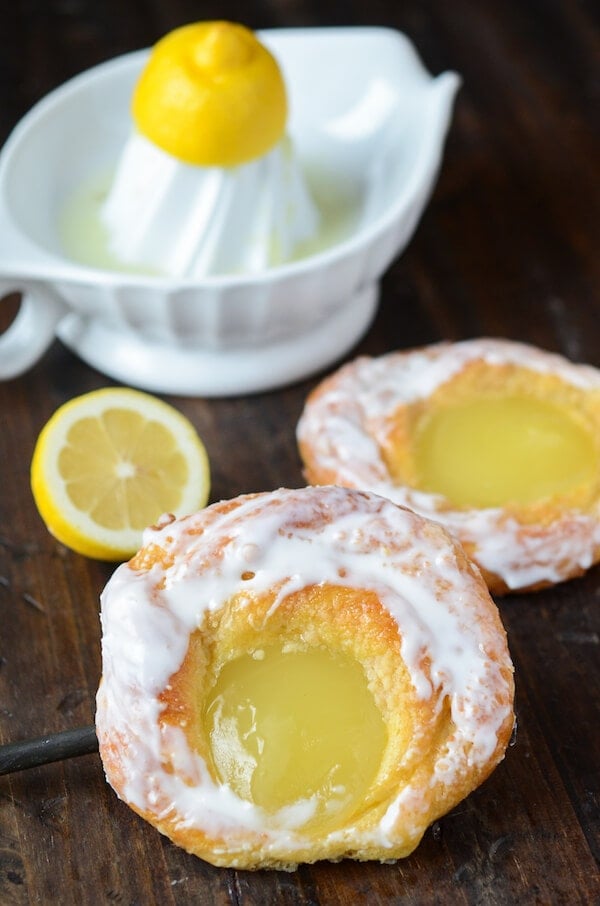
211	95
498	451
288	725
122	469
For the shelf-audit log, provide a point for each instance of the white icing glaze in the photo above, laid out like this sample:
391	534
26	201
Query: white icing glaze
345	426
291	539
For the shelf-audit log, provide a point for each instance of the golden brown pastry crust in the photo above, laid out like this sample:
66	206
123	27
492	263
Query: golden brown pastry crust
371	580
357	430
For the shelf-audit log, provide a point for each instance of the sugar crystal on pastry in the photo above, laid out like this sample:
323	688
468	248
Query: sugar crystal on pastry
321	617
208	182
497	440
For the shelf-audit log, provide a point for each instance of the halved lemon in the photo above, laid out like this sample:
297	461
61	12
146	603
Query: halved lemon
211	95
109	463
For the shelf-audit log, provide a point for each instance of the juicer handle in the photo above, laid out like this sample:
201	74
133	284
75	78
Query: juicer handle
33	329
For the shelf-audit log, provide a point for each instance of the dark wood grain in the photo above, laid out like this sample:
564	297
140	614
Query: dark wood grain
507	247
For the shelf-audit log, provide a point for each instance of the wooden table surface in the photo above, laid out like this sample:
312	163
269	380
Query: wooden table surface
507	247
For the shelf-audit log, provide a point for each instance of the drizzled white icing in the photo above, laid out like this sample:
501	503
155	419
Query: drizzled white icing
290	539
344	427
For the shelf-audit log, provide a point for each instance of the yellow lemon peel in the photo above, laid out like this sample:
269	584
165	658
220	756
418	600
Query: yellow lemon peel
211	95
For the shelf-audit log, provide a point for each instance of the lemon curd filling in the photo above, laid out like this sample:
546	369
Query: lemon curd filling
489	452
285	726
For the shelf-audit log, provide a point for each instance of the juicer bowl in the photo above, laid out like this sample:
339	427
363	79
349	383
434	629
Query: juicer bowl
368	124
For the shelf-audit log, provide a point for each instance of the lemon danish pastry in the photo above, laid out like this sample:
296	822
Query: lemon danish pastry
300	675
497	440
